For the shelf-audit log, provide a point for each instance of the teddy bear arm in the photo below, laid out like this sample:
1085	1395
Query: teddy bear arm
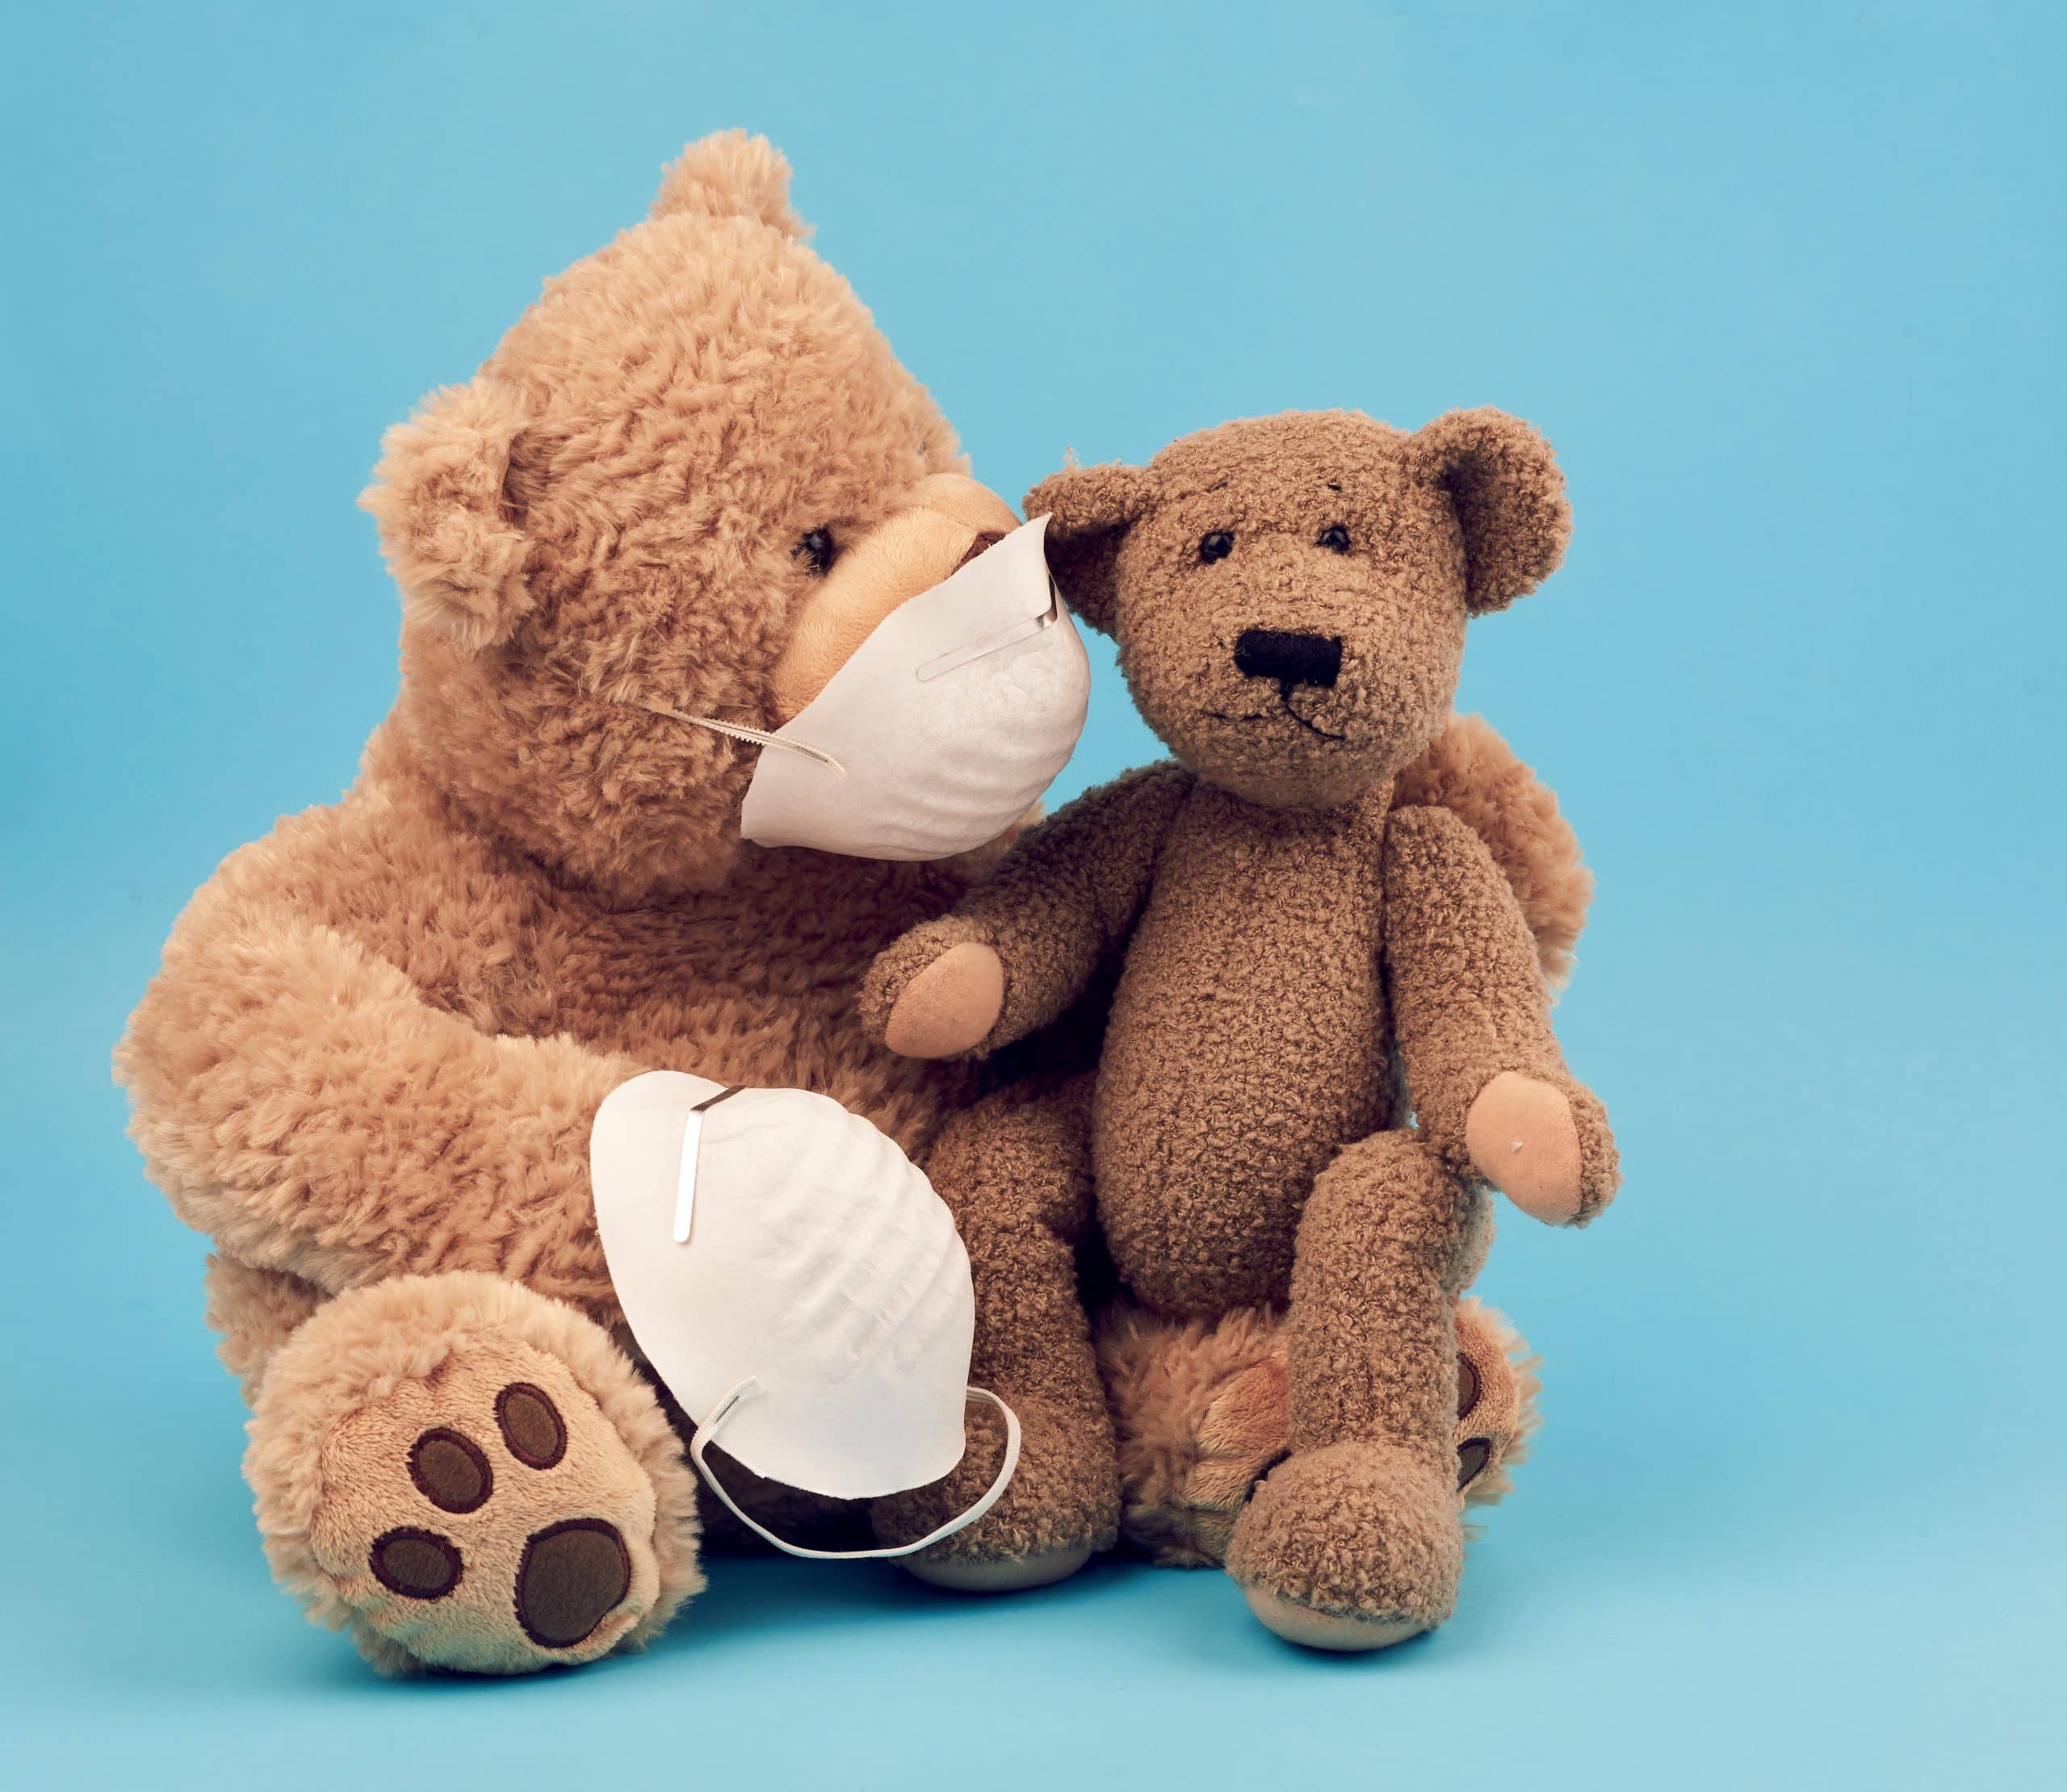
1066	893
299	1101
1472	1020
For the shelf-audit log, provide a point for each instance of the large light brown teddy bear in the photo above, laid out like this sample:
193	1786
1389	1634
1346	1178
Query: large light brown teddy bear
689	481
1311	957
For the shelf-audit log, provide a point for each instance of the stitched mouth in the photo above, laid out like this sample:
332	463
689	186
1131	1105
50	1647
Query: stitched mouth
1284	702
1284	707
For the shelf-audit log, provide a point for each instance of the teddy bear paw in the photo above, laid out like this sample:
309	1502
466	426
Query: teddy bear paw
439	1480
1355	1546
1060	1508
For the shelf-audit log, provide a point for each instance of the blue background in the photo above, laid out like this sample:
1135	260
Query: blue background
1784	286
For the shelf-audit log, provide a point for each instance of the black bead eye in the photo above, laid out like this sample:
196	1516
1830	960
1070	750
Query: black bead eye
1334	538
816	550
1215	547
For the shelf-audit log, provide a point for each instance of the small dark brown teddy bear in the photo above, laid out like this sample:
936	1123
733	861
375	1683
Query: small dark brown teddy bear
1307	962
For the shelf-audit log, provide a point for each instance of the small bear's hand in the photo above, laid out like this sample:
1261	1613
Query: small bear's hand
931	996
1544	1145
950	1007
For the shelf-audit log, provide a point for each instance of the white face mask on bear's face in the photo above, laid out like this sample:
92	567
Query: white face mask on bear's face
940	731
795	1282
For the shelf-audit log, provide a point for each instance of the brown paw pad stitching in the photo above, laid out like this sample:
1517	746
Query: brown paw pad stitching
450	1471
417	1564
573	1576
532	1429
1472	1456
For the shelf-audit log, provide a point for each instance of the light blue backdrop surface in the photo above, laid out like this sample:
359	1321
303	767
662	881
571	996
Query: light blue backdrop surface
1784	287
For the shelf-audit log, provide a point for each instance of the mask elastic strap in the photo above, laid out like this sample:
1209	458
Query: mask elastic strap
739	730
707	1434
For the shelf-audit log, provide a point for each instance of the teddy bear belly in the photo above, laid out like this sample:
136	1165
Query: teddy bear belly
1248	1044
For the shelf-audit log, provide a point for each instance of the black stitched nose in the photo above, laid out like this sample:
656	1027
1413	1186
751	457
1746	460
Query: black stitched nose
1289	658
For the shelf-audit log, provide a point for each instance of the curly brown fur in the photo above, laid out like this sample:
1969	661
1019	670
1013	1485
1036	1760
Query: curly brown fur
1012	1170
1471	770
1289	597
1200	1409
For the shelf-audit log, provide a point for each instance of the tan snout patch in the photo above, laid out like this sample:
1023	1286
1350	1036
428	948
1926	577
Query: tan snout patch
951	519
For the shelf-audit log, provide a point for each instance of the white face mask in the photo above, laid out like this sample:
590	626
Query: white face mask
795	1282
943	728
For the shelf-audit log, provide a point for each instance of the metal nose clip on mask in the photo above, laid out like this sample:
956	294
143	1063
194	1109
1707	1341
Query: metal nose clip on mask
941	729
793	1278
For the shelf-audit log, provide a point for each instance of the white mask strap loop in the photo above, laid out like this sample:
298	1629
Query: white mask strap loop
707	1434
739	730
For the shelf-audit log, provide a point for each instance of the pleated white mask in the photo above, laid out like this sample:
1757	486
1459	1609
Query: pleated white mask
940	731
795	1282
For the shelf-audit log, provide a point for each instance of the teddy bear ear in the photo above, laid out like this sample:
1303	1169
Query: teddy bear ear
1089	510
730	174
1504	480
447	531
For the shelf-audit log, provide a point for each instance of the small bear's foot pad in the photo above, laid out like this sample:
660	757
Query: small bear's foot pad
1013	1574
1322	1630
1367	1533
1201	1413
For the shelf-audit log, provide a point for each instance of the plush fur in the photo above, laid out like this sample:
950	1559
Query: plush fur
1307	959
1199	1409
380	1035
369	1064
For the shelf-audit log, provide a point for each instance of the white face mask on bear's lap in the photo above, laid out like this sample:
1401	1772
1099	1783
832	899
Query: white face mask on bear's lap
795	1282
942	729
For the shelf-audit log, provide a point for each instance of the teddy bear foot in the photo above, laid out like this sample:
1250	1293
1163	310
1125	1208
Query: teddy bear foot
1354	1545
1324	1629
467	1476
1007	1574
1200	1412
1060	1508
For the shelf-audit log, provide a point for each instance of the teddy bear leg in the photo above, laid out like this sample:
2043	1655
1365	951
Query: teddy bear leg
1200	1411
254	1312
1355	1540
467	1474
1015	1170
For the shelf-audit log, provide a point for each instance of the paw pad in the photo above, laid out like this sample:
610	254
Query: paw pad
573	1574
1472	1456
418	1564
450	1471
532	1428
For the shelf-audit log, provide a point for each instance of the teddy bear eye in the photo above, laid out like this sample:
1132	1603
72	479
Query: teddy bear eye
816	550
1217	546
1335	538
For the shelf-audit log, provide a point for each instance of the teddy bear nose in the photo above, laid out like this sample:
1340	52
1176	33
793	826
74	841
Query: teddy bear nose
1290	657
